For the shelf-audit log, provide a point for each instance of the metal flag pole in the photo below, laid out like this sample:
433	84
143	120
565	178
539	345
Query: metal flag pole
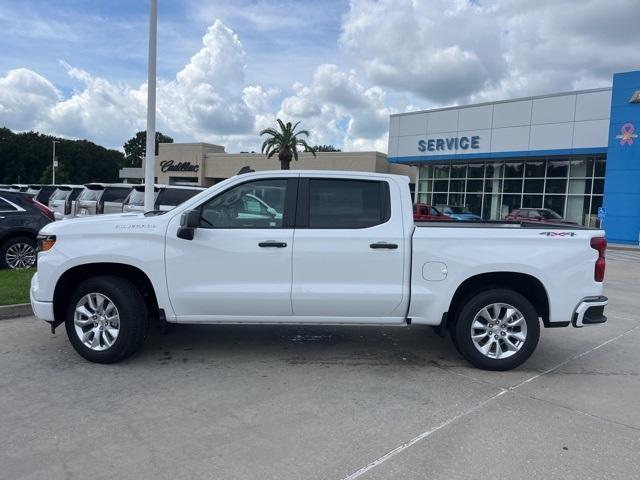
150	157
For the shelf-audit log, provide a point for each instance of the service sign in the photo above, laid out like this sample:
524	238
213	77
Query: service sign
449	144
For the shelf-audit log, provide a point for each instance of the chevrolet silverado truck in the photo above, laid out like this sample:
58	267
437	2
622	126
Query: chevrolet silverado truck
316	248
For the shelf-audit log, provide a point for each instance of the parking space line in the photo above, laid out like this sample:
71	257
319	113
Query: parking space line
502	391
574	357
422	436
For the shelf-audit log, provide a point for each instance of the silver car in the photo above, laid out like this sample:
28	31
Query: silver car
63	201
97	198
166	197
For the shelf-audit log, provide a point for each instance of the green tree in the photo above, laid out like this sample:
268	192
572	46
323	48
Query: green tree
285	143
26	158
135	148
325	148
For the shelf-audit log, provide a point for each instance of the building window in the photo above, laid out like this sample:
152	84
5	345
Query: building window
571	186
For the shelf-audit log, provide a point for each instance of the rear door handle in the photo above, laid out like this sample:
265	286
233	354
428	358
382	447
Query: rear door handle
273	244
388	246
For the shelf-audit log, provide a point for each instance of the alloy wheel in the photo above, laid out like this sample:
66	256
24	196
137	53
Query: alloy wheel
498	330
96	321
20	255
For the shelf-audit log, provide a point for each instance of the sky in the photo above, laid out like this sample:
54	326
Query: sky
226	70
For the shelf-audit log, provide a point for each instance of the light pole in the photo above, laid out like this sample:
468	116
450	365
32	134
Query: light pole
150	157
53	163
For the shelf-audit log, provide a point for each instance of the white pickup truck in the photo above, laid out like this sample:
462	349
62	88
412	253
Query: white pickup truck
316	247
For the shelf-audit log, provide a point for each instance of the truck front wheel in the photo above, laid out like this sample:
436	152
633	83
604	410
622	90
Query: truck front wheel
497	329
106	319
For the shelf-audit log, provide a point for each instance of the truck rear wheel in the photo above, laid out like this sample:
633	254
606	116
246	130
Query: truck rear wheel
106	319
497	329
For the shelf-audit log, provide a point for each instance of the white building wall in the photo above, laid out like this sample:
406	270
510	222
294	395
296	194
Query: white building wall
566	121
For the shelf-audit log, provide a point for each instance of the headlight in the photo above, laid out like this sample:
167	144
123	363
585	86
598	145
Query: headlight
46	242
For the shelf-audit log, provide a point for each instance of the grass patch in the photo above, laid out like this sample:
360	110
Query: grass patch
14	286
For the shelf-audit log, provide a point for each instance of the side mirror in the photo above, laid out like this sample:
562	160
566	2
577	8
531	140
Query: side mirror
189	221
272	211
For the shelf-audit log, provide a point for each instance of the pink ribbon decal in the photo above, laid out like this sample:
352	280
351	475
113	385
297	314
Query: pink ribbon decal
627	134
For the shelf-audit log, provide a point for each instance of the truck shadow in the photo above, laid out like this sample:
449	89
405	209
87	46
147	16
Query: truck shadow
301	345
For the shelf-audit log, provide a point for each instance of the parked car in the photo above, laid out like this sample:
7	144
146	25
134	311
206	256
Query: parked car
62	202
97	198
43	192
19	187
166	197
21	218
541	215
358	259
428	213
458	212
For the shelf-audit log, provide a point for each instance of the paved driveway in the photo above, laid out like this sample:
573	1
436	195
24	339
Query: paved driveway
224	402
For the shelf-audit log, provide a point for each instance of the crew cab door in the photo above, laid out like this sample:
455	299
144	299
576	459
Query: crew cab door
238	265
349	250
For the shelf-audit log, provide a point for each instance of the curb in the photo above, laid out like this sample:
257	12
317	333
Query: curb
14	311
626	248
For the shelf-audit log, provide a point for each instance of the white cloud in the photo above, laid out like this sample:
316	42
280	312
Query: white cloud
206	101
25	98
447	51
338	109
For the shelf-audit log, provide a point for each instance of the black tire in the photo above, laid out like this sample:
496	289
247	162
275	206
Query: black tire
473	305
133	315
4	248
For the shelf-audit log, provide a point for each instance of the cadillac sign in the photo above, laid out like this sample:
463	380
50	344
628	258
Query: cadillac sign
173	166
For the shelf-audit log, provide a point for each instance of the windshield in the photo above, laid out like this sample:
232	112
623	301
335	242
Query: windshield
549	214
458	210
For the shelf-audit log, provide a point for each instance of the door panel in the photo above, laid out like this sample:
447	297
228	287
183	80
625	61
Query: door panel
224	270
339	272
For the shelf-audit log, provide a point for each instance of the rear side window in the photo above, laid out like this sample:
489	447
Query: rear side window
90	194
136	197
175	196
347	203
60	194
6	206
115	194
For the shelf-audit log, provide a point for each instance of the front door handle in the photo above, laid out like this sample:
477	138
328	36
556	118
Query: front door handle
273	244
388	246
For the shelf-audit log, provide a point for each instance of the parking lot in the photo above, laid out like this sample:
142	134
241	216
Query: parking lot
224	402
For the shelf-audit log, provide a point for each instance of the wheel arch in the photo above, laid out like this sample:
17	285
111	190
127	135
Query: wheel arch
527	285
70	279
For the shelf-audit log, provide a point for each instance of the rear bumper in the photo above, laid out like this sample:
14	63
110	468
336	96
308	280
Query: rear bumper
590	311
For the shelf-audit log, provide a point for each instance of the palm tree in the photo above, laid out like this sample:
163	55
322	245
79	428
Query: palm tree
285	143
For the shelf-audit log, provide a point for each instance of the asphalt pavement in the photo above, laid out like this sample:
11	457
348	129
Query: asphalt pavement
229	402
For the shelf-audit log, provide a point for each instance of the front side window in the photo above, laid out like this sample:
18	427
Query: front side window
258	204
347	203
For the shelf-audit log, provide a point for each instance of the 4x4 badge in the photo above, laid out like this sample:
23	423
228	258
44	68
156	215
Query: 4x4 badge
558	234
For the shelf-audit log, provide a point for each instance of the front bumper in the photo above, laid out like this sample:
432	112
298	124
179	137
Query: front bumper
42	310
590	311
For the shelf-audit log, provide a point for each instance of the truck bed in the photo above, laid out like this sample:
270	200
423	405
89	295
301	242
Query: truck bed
503	224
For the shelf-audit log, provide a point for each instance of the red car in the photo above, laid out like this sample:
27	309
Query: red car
428	213
542	215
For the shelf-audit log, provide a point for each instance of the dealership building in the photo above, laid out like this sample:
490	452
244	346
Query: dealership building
206	164
577	153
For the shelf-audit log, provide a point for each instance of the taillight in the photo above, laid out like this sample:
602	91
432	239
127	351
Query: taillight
43	209
599	244
67	206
